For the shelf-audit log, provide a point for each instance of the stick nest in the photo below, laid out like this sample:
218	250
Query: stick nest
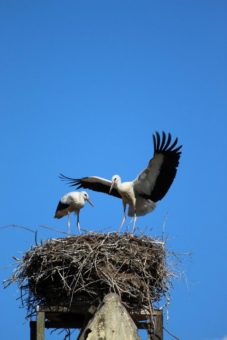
85	268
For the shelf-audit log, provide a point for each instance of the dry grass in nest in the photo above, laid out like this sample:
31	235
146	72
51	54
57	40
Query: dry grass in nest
64	271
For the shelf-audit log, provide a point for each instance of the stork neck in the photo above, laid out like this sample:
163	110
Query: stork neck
118	184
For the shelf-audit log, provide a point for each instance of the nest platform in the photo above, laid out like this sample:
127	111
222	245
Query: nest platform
81	270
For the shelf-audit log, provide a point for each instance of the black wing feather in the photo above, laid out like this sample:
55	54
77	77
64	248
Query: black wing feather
89	183
169	166
163	140
61	207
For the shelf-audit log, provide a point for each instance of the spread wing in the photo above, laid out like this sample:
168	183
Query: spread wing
154	181
93	183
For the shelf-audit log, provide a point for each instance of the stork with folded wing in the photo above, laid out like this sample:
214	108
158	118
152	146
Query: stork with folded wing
72	202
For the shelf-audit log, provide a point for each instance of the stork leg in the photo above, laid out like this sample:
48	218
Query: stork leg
69	229
124	217
78	221
134	223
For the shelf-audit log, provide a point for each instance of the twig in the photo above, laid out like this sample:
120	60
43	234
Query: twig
54	229
171	334
18	226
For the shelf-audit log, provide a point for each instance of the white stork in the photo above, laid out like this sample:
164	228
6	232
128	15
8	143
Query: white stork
72	201
149	187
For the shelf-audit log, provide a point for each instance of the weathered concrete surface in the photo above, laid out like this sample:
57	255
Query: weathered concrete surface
110	322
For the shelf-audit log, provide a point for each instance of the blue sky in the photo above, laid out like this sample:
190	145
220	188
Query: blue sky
83	86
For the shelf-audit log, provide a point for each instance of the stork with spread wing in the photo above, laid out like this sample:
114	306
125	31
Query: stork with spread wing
149	187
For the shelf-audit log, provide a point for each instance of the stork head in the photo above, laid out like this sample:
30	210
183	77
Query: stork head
86	197
116	179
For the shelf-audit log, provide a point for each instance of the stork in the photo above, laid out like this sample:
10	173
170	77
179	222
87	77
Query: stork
72	201
149	187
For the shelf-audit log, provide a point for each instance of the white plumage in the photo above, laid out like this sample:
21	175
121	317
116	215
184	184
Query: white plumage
138	206
150	186
72	202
